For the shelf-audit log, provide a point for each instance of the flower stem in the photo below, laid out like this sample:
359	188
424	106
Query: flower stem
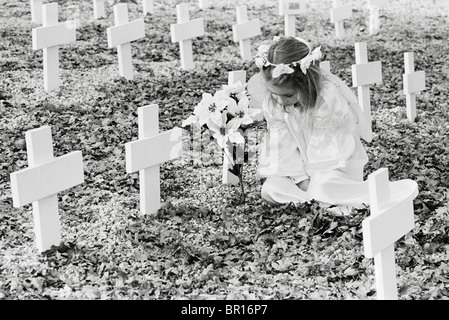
240	176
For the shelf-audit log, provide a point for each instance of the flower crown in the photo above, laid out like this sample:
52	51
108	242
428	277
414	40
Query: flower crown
261	59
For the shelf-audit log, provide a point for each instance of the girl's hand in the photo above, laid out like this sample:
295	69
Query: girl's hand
304	184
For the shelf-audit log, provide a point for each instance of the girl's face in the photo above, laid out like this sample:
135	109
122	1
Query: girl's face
285	95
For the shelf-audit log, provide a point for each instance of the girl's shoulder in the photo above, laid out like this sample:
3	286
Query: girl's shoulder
330	100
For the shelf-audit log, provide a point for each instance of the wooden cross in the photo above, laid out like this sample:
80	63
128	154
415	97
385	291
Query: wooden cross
148	7
41	181
121	36
244	30
374	6
338	14
289	9
183	32
326	65
146	154
36	11
228	177
49	37
204	4
365	73
390	220
413	82
99	11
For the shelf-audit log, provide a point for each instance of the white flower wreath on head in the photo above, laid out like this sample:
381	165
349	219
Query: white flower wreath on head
261	59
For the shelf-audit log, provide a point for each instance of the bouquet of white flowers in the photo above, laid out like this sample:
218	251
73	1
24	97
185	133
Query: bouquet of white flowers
227	114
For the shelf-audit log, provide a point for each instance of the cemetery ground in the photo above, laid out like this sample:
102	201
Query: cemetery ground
202	244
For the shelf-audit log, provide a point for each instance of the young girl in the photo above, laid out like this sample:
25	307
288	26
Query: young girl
312	147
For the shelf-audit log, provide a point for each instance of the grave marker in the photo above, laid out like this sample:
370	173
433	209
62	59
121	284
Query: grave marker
183	32
390	220
41	181
228	177
49	37
204	4
121	35
289	9
244	30
326	65
148	7
148	152
374	7
413	83
36	11
365	73
338	14
99	11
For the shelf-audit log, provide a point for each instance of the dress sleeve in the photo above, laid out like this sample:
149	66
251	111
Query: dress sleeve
279	153
334	131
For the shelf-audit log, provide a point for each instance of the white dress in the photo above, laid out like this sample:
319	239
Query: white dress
329	152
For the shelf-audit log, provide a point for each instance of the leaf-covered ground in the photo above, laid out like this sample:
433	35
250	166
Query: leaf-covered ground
201	244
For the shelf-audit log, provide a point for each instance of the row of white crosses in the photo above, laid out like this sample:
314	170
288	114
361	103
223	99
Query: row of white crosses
339	13
366	73
99	10
53	34
46	176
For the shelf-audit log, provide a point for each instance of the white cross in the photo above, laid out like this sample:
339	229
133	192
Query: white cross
244	30
374	7
148	7
148	152
121	36
338	14
326	65
36	11
183	32
41	181
390	220
289	9
49	37
365	73
204	4
413	82
228	177
99	11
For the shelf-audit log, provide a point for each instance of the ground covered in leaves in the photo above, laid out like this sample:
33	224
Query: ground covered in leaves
202	244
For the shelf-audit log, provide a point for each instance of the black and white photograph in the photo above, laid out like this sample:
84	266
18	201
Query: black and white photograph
223	157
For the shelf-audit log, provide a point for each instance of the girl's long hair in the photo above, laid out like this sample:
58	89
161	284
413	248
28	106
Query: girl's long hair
287	50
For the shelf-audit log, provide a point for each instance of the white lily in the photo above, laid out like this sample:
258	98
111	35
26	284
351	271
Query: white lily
242	113
236	90
223	131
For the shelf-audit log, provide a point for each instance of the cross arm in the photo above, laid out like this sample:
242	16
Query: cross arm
366	73
61	33
187	30
414	82
382	229
125	33
148	152
43	180
246	30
